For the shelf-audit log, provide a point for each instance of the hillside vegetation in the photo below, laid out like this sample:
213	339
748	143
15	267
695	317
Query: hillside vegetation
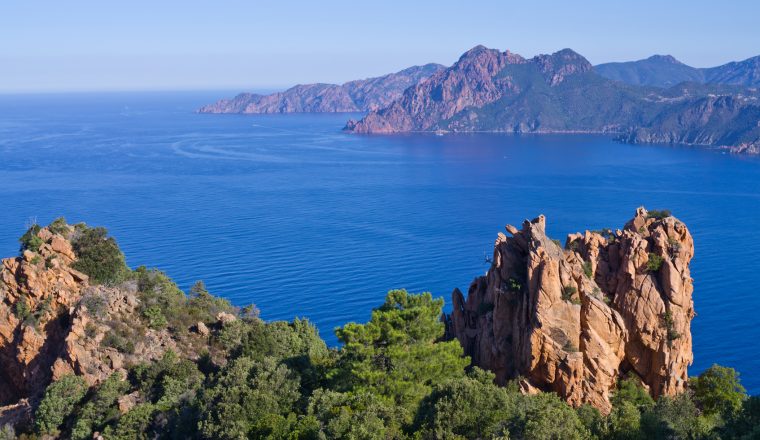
227	374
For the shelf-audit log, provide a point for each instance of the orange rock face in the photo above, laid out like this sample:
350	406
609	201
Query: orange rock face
47	329
36	292
574	320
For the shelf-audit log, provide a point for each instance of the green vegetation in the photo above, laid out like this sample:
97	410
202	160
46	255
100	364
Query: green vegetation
98	255
394	377
30	240
59	226
654	263
588	269
58	404
718	391
21	309
667	322
514	285
568	292
658	214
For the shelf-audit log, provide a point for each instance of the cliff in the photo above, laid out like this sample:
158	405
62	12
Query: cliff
575	320
354	96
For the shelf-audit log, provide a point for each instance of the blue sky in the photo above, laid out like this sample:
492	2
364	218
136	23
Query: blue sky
54	45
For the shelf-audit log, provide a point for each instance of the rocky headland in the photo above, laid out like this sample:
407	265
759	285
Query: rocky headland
353	96
491	91
575	319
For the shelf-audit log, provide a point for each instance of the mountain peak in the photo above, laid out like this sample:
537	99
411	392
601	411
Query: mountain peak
664	58
562	63
475	51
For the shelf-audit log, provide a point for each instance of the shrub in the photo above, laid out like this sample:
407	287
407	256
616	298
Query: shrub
353	416
514	285
588	269
568	292
98	255
675	417
630	391
90	330
154	316
21	309
654	263
593	420
133	425
59	402
101	408
95	304
121	337
658	214
59	226
546	416
668	323
468	407
30	240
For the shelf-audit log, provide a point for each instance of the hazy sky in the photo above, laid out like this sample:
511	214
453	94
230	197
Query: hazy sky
63	45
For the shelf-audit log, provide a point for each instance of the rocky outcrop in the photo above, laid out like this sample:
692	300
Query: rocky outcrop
52	322
354	96
576	319
37	291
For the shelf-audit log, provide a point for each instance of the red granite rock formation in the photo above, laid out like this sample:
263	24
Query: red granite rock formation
574	320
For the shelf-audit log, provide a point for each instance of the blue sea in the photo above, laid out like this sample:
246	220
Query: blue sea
289	213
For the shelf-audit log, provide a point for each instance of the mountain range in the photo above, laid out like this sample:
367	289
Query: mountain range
493	91
656	100
354	96
666	71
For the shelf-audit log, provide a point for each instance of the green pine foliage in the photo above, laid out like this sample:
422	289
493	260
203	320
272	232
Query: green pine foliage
58	404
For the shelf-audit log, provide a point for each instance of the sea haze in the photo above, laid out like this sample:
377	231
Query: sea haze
289	213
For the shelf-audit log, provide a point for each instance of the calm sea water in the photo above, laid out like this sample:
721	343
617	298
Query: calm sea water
291	214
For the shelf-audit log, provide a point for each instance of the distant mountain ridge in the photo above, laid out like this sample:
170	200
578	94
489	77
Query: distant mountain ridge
666	71
489	90
353	96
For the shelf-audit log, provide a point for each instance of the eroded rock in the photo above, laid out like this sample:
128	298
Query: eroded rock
574	320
